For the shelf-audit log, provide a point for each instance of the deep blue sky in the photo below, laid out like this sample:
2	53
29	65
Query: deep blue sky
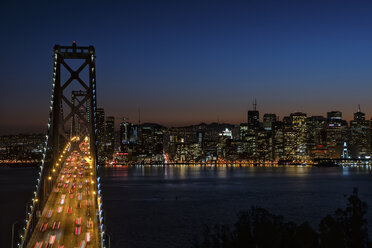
186	62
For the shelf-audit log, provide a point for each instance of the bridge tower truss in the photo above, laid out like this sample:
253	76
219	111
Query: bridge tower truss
67	119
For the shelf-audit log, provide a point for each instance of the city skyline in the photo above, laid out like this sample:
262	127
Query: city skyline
140	119
186	63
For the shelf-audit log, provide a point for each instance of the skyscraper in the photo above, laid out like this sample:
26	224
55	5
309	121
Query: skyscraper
109	136
100	133
360	136
316	137
336	130
125	132
253	117
268	120
299	128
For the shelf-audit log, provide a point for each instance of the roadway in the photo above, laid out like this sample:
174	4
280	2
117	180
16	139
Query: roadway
69	218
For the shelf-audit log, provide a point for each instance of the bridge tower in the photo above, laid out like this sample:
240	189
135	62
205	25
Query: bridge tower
72	114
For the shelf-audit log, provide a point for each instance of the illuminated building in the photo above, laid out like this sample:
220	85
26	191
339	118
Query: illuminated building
334	115
200	134
227	133
100	119
128	140
360	136
26	148
253	119
264	143
316	137
278	140
336	133
151	142
345	152
268	120
243	130
125	132
109	136
289	139
299	127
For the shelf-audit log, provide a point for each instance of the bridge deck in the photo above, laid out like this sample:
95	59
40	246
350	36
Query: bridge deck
76	213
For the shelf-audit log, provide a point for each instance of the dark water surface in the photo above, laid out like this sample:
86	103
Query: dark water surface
166	206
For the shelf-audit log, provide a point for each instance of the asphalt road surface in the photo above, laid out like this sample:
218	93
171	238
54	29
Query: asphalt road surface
69	218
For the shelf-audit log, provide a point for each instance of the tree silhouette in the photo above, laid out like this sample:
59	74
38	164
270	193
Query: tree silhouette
348	228
258	228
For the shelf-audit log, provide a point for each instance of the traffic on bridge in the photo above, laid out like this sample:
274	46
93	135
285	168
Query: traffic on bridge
69	218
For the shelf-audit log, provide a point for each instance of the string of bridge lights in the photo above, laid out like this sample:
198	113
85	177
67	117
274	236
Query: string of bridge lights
99	198
36	192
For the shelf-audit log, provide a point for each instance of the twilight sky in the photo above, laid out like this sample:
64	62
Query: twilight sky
184	62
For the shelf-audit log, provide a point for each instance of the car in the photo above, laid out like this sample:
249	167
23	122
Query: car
52	238
49	213
72	195
77	230
62	199
39	244
80	196
59	210
69	210
83	244
43	227
87	237
78	221
56	225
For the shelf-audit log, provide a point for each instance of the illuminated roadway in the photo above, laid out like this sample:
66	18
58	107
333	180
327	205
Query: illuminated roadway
76	213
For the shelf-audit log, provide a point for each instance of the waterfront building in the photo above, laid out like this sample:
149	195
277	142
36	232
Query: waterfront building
316	137
100	121
151	141
336	133
360	136
278	140
21	148
109	137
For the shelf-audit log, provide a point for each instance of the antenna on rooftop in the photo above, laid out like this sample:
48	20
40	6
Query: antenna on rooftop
139	116
255	105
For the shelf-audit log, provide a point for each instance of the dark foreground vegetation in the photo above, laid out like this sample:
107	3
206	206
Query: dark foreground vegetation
257	228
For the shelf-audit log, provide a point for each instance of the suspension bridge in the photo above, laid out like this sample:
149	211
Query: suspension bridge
66	206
